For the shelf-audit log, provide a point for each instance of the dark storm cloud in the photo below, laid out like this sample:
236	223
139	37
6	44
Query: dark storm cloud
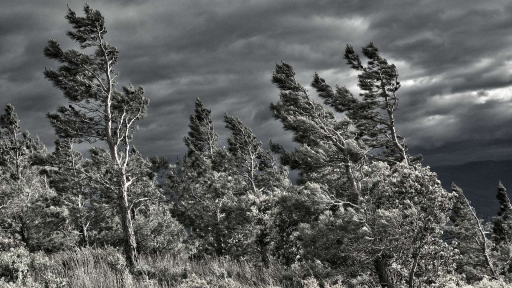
452	56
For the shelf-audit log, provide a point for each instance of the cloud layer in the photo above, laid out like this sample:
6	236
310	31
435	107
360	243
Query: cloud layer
453	58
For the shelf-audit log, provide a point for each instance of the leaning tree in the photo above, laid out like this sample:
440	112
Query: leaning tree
97	110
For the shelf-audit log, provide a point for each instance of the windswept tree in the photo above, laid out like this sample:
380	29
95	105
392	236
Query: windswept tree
470	239
263	181
97	110
328	152
387	211
374	114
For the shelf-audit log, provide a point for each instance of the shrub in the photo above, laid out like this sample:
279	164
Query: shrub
15	265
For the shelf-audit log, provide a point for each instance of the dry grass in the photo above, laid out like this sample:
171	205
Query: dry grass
86	268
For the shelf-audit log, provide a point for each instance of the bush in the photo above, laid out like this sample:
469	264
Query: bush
15	265
158	232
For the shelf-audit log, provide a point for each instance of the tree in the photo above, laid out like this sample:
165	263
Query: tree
502	230
223	194
394	234
69	182
98	112
328	151
200	188
20	182
264	180
201	137
343	156
469	236
373	115
18	149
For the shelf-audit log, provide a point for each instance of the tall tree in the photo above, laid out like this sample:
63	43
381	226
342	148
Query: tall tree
68	180
198	187
469	235
373	115
328	152
338	154
263	178
98	112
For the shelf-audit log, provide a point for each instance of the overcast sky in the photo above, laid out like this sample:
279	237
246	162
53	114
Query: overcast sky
454	60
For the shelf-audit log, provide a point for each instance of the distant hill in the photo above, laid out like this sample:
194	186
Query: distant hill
479	180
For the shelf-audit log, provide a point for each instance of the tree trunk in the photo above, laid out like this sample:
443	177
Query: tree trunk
219	251
24	234
382	266
262	243
264	257
353	187
415	257
485	250
85	236
130	245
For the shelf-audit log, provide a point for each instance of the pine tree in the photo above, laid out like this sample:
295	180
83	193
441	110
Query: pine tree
264	180
254	163
327	151
358	201
198	185
502	230
20	181
17	149
98	112
68	179
373	115
201	137
469	236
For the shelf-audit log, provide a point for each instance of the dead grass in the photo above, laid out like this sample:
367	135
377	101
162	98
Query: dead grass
87	268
